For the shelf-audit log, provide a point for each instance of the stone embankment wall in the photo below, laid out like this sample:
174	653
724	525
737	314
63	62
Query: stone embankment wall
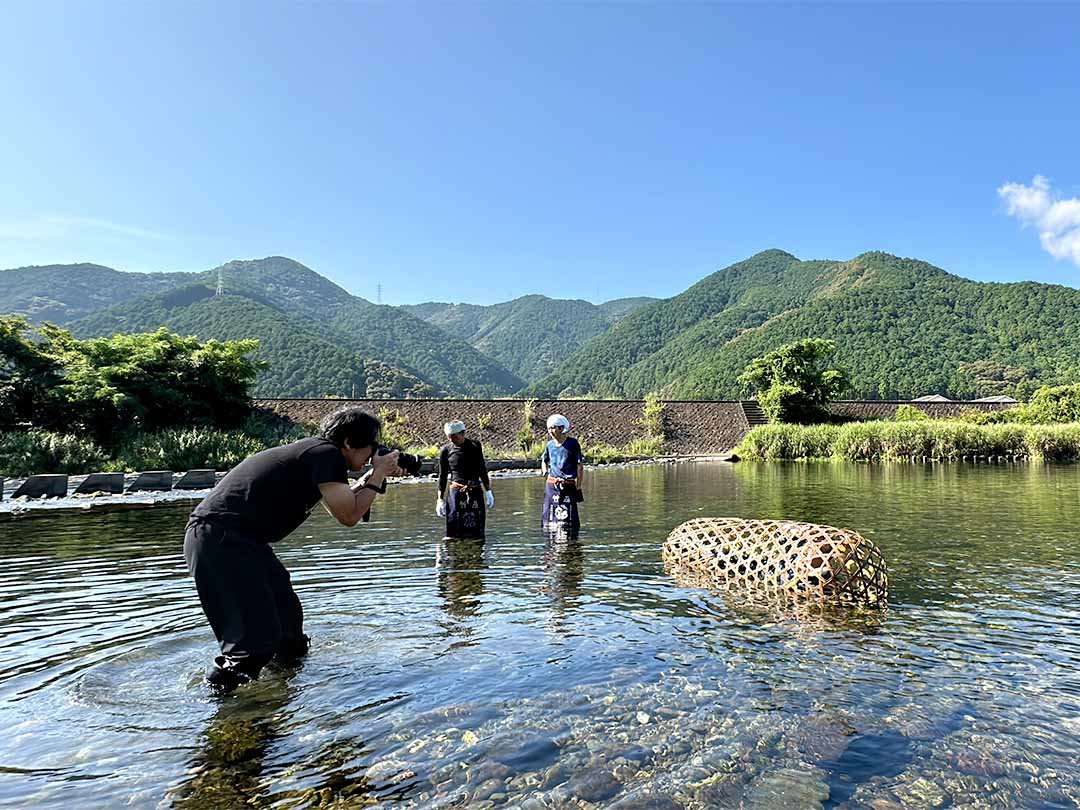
865	409
690	427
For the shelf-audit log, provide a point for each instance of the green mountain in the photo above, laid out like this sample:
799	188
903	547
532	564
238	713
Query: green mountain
387	333
61	293
530	335
300	317
902	327
301	363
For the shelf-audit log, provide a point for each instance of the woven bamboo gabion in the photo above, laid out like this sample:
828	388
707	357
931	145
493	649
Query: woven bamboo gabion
779	558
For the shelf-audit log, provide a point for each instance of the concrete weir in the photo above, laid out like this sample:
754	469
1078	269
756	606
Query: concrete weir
43	486
110	483
156	481
196	479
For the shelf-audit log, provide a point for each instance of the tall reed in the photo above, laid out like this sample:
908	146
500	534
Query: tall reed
933	439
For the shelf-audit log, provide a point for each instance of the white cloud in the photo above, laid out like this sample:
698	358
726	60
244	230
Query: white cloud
1056	219
46	228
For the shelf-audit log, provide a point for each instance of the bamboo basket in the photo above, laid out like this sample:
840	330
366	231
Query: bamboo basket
780	558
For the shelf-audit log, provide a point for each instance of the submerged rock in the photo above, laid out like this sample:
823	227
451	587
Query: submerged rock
789	787
593	785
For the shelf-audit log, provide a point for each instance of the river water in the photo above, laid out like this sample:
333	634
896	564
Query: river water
530	672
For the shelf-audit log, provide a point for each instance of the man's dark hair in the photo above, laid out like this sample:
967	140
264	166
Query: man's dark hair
352	423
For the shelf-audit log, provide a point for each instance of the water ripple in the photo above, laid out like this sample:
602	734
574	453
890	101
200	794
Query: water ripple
570	672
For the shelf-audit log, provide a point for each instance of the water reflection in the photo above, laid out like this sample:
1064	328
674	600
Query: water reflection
233	765
563	563
228	767
460	564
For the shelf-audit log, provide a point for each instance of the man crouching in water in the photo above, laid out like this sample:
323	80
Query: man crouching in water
245	591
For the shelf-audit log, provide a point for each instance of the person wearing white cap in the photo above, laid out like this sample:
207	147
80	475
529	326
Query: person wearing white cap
464	488
564	465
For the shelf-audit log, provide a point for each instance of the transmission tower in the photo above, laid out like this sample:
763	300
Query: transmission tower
220	284
378	293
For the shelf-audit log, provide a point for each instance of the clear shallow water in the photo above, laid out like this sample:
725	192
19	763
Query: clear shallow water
525	672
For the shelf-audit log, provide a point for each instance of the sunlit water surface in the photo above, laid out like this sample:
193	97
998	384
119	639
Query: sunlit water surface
528	672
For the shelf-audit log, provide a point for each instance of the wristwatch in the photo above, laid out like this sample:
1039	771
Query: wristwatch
380	490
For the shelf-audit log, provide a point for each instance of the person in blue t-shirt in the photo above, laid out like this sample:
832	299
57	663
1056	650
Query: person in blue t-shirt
564	466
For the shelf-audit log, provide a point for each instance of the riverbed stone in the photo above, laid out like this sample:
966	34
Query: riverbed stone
921	792
593	785
645	799
389	772
524	750
484	771
789	787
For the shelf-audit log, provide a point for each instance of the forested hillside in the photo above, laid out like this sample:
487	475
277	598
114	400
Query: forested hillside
530	335
299	362
317	338
903	328
61	293
386	333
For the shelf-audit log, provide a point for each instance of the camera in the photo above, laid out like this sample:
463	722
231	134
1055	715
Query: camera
406	461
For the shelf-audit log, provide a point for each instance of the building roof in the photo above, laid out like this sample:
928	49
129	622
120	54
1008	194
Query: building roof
932	398
996	398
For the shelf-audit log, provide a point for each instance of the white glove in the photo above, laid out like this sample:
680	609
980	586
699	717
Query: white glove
490	499
440	507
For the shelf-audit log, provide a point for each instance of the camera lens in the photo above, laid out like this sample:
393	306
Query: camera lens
407	462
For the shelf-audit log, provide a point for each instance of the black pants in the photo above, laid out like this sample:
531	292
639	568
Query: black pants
247	597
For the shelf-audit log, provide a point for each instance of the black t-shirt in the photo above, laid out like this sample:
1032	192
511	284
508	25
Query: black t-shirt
462	464
268	495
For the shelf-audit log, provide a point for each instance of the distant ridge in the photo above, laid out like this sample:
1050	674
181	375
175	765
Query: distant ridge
318	339
60	293
903	328
530	335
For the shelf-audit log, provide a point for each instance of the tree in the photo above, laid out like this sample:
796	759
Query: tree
28	376
791	382
51	379
152	381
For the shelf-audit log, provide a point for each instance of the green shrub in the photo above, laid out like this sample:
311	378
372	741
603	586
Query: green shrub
525	439
524	436
636	449
909	413
38	451
186	449
604	454
1054	442
273	430
428	451
652	416
646	447
395	430
1050	405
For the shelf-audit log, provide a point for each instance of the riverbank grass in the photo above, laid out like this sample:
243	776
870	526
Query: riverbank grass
939	440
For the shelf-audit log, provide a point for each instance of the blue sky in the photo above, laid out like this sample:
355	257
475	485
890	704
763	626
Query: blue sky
476	152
